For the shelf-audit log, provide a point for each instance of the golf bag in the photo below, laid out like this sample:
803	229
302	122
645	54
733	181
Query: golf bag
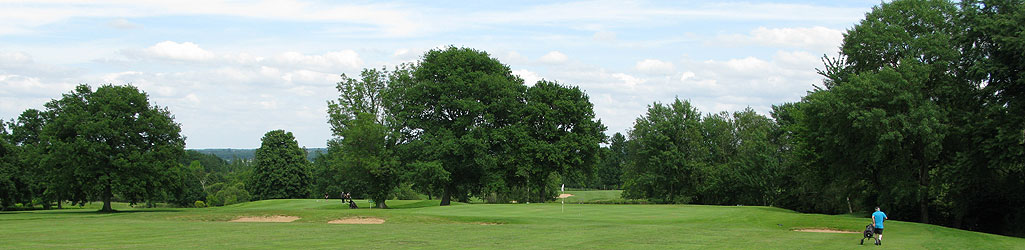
869	232
352	205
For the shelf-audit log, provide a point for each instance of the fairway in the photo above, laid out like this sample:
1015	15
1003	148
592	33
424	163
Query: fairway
423	224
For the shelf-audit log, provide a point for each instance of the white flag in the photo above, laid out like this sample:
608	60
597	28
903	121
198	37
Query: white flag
564	187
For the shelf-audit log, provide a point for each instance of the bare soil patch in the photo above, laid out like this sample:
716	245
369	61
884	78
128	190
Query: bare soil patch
824	230
358	220
565	195
276	218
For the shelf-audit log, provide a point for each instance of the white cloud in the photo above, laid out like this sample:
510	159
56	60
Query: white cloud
192	98
628	80
186	51
389	19
14	58
815	38
686	75
584	14
244	58
124	24
604	36
529	78
331	61
653	66
554	57
513	57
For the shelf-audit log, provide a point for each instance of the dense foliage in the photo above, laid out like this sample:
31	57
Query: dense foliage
281	170
455	125
103	145
364	152
921	114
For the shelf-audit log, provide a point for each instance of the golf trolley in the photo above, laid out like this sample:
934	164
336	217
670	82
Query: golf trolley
869	232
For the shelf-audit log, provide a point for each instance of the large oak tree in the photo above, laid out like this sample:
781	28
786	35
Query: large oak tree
110	142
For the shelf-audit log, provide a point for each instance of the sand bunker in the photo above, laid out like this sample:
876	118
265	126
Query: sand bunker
824	230
276	218
565	195
358	220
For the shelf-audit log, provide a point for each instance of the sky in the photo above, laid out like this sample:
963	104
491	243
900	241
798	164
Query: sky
230	71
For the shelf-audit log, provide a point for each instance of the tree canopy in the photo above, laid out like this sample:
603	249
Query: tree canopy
110	142
281	170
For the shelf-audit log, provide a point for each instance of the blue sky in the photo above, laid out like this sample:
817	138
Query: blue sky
232	70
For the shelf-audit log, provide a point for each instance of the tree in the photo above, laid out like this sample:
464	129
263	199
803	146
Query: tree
281	171
211	163
365	145
667	154
8	190
563	135
983	184
364	149
25	135
876	130
229	195
610	169
911	43
186	184
461	104
743	168
109	142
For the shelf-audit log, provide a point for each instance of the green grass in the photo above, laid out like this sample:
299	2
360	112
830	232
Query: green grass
423	224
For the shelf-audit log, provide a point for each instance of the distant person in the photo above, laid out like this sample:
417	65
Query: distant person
348	196
877	223
326	197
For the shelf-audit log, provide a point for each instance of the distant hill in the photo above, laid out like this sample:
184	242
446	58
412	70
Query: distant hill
230	154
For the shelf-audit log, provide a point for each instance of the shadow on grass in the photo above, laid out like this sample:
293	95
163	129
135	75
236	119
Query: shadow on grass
419	204
91	211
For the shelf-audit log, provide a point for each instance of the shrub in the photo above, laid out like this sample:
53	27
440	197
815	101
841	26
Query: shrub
406	192
200	204
230	195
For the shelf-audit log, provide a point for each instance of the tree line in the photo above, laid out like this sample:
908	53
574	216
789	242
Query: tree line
921	113
456	124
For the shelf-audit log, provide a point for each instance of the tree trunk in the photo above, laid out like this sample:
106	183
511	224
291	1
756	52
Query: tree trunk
923	201
446	196
106	199
958	218
381	204
924	204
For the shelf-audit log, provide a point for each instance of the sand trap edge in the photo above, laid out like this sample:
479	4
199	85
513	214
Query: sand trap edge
358	221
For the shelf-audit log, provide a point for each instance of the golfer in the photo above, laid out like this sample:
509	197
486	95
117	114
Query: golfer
877	223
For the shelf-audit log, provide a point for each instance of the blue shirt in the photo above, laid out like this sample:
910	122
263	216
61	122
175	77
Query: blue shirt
879	216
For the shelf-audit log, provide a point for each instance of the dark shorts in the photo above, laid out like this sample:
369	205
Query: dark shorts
877	230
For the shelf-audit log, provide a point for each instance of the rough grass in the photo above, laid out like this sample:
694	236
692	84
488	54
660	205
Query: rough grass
423	224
